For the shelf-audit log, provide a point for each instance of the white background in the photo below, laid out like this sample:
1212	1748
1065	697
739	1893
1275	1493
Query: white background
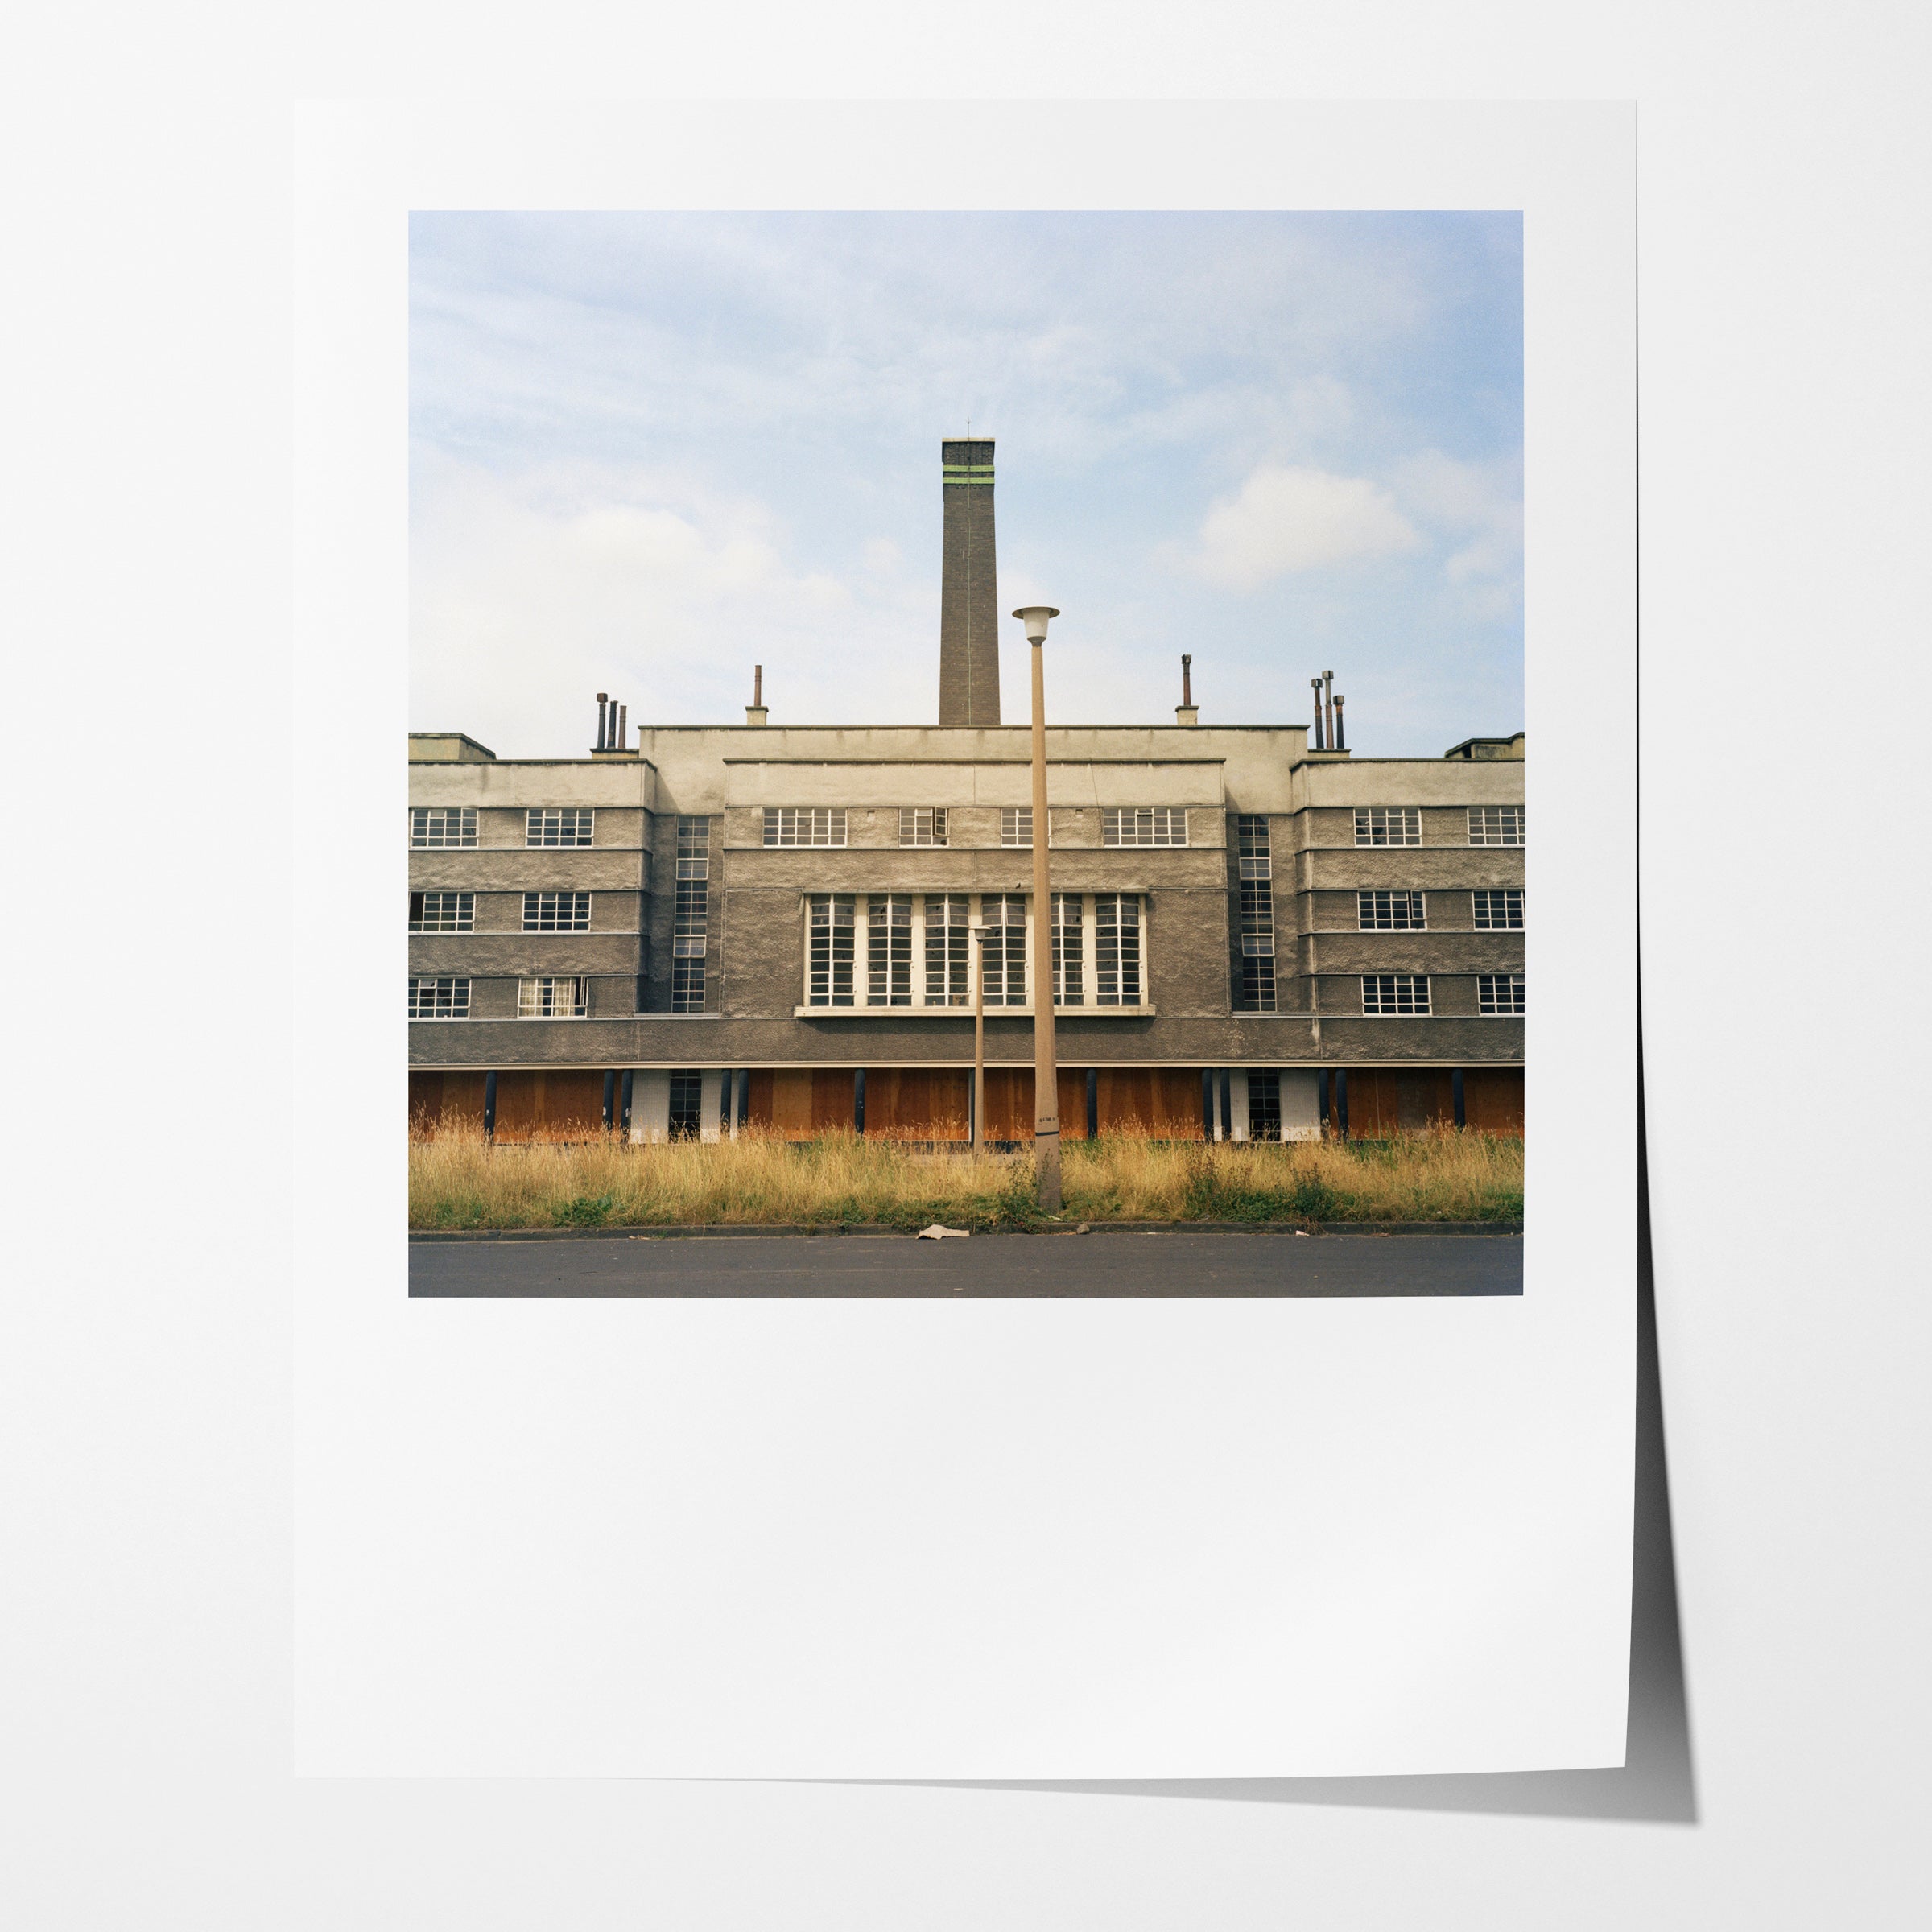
1011	1539
1783	159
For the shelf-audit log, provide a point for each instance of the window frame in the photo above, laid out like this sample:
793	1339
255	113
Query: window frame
1508	894
1365	920
1365	817
691	914
685	1115
780	819
1012	817
556	898
832	904
930	820
1396	983
453	981
1479	827
954	954
1129	959
580	998
1486	985
1256	990
419	818
582	820
1004	956
1114	824
465	914
889	918
1260	1085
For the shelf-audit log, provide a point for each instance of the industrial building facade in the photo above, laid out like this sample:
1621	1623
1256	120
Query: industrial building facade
708	927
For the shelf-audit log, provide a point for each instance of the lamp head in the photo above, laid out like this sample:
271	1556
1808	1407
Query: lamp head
1034	616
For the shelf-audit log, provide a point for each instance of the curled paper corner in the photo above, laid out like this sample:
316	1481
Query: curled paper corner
935	1232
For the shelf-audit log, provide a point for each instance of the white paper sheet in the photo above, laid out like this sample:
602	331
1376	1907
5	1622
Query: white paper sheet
964	1539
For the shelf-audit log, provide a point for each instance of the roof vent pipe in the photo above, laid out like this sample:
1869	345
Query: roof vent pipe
1184	713
754	712
603	699
624	721
1328	690
1339	744
1314	684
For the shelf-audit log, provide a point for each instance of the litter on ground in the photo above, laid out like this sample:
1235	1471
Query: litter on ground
935	1232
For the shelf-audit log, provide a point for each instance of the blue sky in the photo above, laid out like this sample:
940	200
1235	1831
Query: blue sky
649	451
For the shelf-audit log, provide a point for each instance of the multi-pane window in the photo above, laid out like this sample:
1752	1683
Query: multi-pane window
439	999
1264	1106
921	824
694	848
805	825
828	968
1499	911
546	997
691	919
1395	993
1499	994
1388	825
1003	948
1390	912
1117	948
889	950
687	985
1144	825
443	828
1069	982
1016	825
442	912
1496	824
1256	993
687	1105
949	964
558	825
556	912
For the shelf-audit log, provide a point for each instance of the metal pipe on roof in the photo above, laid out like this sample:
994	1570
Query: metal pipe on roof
1339	744
603	699
1314	684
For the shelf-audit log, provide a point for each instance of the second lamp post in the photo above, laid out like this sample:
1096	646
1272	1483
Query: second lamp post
1046	1071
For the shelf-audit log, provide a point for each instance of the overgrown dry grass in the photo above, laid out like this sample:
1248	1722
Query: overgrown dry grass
456	1180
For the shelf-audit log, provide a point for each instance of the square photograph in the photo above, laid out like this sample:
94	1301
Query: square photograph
950	725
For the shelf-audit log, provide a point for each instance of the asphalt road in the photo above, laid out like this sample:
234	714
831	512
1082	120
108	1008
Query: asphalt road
983	1265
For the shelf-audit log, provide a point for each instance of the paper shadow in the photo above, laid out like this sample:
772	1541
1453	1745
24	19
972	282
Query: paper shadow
1655	1784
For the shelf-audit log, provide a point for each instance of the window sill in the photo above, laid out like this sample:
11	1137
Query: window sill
965	1012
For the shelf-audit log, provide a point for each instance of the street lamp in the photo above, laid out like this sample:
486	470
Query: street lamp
975	933
1045	1071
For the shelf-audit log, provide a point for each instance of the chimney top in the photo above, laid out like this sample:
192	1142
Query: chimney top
969	615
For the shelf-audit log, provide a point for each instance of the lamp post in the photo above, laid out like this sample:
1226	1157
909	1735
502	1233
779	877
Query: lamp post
976	940
1046	1071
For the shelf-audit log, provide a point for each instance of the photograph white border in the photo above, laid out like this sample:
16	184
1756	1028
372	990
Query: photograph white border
993	1539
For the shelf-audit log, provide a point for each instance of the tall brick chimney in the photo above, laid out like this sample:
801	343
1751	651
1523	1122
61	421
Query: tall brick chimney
969	613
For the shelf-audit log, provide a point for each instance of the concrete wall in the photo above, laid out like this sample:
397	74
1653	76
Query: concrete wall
755	957
651	1104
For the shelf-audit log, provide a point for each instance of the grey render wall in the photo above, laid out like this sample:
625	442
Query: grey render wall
757	928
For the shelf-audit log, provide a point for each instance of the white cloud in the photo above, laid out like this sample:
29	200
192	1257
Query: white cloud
1292	519
1479	508
530	593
